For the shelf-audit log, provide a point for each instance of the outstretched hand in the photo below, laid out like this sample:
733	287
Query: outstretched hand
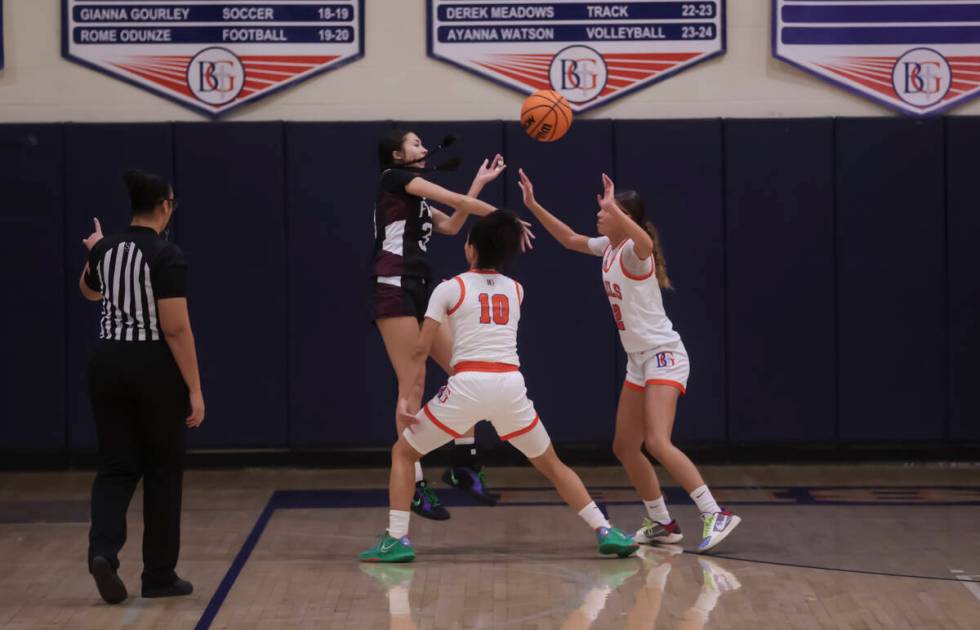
527	188
527	192
608	196
489	171
94	237
526	236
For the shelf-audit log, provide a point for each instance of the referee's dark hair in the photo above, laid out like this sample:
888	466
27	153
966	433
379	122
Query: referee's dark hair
146	191
496	238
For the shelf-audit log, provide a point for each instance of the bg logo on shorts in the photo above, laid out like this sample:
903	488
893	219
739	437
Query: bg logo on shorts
443	394
665	359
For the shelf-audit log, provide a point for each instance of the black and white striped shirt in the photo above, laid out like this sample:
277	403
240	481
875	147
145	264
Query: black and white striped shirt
134	270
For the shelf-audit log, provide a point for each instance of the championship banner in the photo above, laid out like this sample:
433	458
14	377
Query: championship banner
590	52
917	56
212	55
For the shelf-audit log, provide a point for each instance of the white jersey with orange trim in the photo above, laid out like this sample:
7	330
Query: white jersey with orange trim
634	293
483	309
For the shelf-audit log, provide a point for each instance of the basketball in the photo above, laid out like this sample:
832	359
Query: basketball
546	116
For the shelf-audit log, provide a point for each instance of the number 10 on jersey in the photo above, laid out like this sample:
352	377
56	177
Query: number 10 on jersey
500	312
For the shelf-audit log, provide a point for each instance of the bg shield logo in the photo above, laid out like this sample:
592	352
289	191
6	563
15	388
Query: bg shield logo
216	76
212	56
922	77
579	73
919	57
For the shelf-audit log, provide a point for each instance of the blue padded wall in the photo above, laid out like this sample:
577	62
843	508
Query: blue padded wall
231	226
96	157
32	329
891	233
676	166
963	261
342	388
567	332
823	271
780	270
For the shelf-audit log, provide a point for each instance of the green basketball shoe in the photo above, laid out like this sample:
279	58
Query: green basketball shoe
389	549
614	542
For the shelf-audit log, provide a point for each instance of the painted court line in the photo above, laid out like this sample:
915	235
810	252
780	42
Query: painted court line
799	496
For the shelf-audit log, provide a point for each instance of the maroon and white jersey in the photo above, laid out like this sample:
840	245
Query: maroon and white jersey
402	228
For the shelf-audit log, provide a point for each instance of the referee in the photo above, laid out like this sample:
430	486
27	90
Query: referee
144	386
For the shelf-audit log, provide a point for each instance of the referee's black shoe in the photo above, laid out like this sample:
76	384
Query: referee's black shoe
111	588
178	588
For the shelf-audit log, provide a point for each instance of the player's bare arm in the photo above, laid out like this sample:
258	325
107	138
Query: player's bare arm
565	235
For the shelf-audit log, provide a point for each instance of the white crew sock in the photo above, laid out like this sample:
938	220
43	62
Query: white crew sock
398	523
705	502
418	472
657	510
592	515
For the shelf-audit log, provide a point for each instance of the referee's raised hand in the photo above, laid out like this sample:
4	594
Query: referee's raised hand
94	237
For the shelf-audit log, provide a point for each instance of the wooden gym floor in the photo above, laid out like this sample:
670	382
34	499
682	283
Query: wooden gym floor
864	546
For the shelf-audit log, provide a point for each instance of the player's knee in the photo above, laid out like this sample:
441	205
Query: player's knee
657	446
403	450
625	449
547	462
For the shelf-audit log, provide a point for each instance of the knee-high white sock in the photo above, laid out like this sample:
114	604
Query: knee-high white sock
592	515
398	523
657	510
705	502
418	472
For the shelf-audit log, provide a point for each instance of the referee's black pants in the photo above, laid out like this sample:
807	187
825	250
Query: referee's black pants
140	403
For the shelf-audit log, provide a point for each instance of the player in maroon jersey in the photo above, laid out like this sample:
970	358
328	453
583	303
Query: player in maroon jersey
404	221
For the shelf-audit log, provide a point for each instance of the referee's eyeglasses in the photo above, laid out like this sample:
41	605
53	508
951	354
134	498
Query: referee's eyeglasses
173	203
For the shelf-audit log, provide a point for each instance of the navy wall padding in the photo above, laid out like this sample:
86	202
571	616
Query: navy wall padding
963	264
97	155
567	336
676	166
780	233
342	390
231	226
891	285
824	273
32	329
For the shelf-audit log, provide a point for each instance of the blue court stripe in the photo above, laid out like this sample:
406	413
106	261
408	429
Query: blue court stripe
211	610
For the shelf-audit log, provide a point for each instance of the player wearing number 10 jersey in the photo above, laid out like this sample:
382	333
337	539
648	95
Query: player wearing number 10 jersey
482	307
633	273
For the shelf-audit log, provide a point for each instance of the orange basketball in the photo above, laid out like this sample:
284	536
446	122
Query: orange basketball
546	116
